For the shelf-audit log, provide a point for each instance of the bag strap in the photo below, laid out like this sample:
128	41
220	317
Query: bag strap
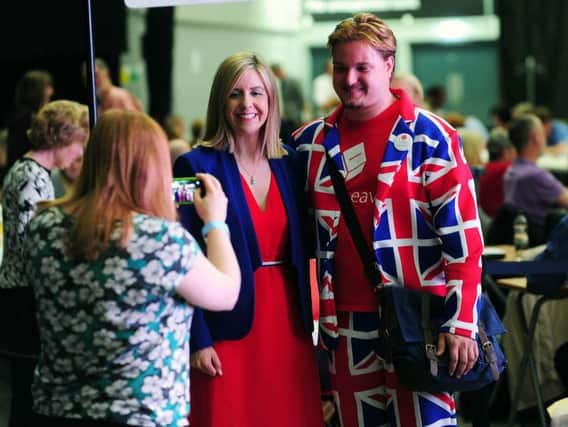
490	353
430	347
370	264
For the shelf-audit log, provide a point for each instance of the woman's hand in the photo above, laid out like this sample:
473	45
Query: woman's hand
207	361
213	205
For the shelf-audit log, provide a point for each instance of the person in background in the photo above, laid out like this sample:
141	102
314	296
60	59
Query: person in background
474	150
323	94
175	131
468	123
254	365
33	91
556	250
435	99
491	183
291	97
64	179
500	116
529	188
291	103
411	85
385	148
57	136
555	130
196	132
109	95
115	277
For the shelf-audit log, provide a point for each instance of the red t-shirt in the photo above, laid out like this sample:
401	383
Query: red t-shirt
362	145
491	187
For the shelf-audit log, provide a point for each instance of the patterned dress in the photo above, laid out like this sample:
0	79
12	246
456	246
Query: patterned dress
26	184
114	333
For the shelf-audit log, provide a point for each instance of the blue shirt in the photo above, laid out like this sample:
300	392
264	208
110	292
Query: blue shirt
558	133
556	250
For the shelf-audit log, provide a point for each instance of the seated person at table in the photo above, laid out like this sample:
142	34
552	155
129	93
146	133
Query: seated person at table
529	188
501	155
556	250
556	131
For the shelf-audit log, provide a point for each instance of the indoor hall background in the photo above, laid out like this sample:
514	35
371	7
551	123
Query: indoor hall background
500	34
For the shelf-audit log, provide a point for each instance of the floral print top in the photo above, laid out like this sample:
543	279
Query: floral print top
114	333
26	184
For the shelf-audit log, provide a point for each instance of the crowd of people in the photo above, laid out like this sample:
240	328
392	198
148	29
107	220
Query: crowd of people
137	308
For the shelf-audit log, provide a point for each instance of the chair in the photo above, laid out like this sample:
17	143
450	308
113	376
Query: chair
501	229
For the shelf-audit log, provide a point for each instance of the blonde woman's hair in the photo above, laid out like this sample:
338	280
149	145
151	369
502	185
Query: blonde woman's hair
473	144
58	124
126	169
366	27
218	133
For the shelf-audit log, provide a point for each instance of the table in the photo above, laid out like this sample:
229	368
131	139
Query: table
557	165
513	277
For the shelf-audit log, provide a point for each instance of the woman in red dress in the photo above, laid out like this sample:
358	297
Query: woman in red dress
254	365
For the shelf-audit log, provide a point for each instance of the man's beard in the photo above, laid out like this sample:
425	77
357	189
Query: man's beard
352	105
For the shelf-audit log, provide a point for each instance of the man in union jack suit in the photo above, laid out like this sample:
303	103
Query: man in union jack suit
414	197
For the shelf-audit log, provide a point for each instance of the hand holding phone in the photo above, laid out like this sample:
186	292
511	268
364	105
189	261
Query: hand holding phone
211	202
183	189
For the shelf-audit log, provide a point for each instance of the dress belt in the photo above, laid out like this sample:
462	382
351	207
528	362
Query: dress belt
273	263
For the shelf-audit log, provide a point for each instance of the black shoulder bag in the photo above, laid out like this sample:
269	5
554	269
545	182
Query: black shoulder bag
411	320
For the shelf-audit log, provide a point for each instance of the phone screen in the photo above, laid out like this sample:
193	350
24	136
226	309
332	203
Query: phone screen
183	189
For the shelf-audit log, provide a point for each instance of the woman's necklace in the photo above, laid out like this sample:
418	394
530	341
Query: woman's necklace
252	179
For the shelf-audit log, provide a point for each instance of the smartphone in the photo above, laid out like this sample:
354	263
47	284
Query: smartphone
184	188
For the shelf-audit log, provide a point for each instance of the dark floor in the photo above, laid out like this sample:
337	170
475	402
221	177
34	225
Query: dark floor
525	419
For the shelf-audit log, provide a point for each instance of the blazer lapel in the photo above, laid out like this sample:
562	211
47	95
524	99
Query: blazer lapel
238	207
281	174
398	145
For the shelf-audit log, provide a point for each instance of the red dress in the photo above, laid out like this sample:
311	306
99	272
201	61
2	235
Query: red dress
270	376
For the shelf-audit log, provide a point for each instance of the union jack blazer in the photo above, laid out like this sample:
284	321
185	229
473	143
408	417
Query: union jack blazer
426	230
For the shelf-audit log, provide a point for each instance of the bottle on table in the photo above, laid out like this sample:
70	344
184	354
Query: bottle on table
520	232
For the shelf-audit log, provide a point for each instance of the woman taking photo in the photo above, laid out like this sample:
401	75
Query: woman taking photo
115	277
254	365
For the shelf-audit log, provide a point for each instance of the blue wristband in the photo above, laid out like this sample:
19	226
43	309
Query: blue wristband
212	225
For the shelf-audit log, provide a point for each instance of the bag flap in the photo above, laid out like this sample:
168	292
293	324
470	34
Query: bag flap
406	305
488	316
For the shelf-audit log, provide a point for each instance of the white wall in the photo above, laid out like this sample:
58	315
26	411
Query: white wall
206	34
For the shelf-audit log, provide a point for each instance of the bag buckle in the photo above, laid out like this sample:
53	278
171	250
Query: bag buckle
490	353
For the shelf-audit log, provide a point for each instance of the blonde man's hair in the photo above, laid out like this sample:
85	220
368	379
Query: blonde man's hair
365	27
218	133
126	169
58	124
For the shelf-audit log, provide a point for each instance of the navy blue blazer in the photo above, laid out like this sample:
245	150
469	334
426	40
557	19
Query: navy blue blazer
208	326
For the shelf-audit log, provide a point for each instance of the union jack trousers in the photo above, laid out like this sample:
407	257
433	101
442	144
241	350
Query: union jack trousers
365	388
